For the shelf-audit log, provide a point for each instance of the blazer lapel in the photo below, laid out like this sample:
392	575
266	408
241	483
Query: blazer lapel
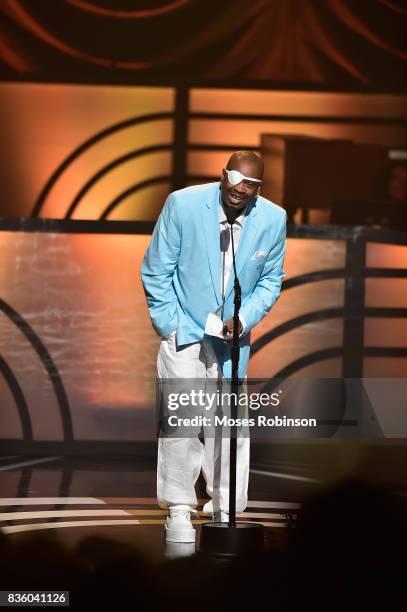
212	239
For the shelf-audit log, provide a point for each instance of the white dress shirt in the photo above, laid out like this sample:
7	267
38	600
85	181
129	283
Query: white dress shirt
227	256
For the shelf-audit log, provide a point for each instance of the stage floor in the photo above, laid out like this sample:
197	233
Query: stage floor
114	497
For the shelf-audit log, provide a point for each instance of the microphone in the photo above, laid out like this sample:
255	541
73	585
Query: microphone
224	240
231	214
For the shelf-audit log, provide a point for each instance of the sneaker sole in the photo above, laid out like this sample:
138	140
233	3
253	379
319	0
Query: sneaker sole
179	535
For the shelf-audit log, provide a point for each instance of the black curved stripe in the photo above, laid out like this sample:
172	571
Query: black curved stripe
86	145
385	351
22	491
139	186
319	315
275	382
19	399
66	480
64	489
130	190
279	330
103	171
302	362
48	364
329	353
385	272
320	275
311	277
377	311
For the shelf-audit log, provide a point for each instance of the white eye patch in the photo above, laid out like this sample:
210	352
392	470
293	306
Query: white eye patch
235	177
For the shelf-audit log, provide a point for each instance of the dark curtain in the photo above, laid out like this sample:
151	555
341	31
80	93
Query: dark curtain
308	43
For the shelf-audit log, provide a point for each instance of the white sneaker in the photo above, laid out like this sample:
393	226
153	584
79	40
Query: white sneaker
220	517
178	527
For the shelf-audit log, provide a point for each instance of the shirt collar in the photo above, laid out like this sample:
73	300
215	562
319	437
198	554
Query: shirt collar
223	219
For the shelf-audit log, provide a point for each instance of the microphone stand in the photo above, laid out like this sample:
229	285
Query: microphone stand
235	354
232	539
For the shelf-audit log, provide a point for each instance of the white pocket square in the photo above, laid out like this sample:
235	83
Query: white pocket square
258	255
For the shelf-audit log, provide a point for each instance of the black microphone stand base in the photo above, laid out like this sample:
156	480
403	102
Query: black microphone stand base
220	539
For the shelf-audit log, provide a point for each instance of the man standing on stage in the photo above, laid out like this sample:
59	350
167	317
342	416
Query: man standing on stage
187	274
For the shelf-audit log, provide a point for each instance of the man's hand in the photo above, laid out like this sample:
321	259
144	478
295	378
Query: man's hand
228	329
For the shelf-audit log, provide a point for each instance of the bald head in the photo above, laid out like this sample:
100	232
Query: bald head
246	158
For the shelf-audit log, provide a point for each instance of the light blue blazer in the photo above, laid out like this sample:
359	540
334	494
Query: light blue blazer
181	269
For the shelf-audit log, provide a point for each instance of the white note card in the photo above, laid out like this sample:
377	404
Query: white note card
214	326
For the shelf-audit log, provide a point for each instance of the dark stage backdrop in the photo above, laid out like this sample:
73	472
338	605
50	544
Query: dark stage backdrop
78	353
106	106
83	151
323	43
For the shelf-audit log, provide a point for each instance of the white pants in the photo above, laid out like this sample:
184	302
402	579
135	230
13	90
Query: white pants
180	460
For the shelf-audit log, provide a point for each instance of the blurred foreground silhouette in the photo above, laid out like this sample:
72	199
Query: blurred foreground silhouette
345	552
